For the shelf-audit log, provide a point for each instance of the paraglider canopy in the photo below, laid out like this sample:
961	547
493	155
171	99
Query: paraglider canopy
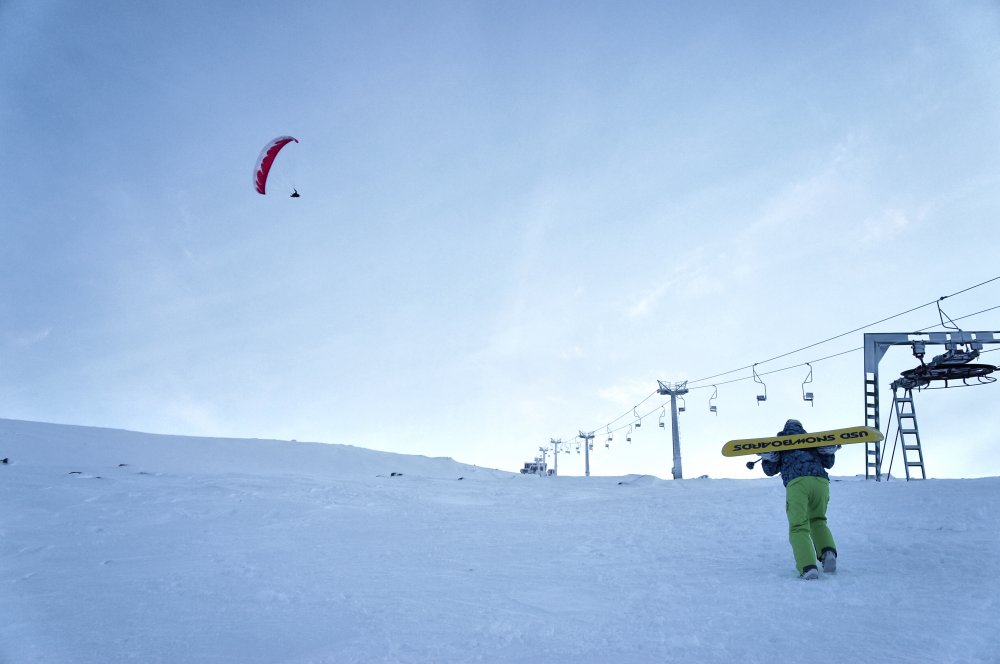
266	160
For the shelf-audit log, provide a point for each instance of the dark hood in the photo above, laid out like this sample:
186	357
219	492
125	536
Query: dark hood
792	427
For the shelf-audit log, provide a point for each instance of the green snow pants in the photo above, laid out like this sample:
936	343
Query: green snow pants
806	499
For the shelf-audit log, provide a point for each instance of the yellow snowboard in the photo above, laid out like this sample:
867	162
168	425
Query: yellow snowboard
801	441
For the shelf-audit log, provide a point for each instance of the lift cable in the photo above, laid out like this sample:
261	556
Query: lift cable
844	334
633	410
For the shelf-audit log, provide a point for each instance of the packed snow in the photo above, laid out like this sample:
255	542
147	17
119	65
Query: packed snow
126	547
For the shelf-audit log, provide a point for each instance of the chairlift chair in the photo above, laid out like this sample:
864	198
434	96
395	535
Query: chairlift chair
683	406
711	406
808	396
662	415
756	379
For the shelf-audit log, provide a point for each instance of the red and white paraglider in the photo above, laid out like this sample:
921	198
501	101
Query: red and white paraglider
266	160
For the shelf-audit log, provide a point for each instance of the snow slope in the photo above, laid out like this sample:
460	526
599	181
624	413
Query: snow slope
252	551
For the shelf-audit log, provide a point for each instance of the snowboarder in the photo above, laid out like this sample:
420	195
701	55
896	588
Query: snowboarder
807	493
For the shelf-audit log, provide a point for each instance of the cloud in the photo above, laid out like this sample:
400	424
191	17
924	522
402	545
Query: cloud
694	278
186	413
31	338
574	352
648	300
887	225
628	393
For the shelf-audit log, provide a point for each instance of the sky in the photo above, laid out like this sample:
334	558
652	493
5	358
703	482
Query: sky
515	218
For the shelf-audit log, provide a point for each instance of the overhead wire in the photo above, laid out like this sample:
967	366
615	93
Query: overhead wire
633	410
982	283
607	426
844	334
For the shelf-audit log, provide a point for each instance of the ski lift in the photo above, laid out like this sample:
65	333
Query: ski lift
662	415
628	436
711	406
683	406
808	396
756	379
923	375
638	422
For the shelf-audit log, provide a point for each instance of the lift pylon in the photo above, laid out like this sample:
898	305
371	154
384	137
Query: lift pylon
876	345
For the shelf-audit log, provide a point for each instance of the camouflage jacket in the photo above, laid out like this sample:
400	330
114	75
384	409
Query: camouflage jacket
799	463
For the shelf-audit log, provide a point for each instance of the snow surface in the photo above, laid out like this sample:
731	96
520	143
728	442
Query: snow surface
128	547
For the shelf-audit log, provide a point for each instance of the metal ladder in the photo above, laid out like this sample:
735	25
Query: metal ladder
873	468
909	434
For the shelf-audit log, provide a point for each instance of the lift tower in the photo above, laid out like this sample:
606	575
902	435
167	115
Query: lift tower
674	390
954	364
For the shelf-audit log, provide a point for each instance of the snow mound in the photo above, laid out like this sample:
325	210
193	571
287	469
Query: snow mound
212	551
96	450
